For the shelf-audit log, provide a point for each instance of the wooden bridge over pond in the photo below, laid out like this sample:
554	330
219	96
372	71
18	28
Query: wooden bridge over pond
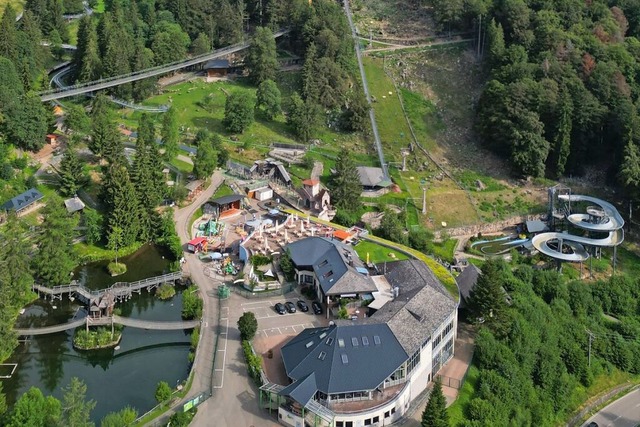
111	320
119	291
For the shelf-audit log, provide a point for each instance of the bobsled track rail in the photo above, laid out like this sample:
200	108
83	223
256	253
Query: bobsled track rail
552	243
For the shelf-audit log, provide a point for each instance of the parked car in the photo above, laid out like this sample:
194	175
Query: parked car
317	308
291	308
303	306
279	307
593	424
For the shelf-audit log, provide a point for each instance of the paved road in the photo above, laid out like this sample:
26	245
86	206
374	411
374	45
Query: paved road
624	412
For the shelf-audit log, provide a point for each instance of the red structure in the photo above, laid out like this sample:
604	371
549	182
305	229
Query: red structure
197	245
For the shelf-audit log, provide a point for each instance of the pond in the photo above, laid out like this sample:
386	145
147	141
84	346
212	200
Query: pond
150	260
114	378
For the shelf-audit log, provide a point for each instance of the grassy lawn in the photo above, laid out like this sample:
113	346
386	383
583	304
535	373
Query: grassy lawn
457	409
223	190
182	166
18	5
393	128
377	253
424	118
445	250
90	253
188	99
197	214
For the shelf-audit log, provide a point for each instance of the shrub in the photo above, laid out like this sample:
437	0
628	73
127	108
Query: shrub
254	363
165	291
163	392
116	268
247	325
191	303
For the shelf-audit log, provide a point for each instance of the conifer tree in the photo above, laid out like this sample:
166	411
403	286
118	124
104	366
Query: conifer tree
147	175
269	99
55	259
261	59
71	173
206	159
87	59
435	413
8	34
346	187
487	298
170	134
121	200
15	253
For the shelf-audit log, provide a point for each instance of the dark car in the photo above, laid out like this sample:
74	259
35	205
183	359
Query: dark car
291	308
317	308
303	306
593	424
279	307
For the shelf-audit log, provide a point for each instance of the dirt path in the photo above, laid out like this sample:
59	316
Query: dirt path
416	46
318	168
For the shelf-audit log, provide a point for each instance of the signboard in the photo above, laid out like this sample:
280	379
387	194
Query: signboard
193	402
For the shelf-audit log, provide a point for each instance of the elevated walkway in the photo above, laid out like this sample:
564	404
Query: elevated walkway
125	321
119	290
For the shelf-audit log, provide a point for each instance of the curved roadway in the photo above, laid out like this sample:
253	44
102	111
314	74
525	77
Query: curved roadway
143	74
624	412
613	225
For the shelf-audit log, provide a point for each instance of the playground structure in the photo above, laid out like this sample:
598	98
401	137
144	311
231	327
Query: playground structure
601	222
585	232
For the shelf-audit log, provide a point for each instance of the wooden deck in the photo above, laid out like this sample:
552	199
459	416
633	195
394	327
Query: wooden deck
125	321
119	290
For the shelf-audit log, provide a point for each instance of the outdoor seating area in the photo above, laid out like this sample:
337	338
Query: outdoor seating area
271	236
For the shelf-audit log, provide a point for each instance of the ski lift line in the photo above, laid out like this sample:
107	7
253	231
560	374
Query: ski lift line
143	74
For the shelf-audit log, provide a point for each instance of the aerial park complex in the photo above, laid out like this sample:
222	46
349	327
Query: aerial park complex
600	226
577	234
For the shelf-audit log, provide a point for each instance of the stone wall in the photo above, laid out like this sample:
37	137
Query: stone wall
484	228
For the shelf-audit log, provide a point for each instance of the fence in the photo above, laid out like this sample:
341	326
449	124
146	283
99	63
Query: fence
284	289
577	419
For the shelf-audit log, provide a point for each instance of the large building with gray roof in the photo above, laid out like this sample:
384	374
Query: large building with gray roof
367	372
332	268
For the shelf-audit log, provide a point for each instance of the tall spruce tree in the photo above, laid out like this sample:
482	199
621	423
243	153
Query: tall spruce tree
8	34
147	175
15	256
435	413
55	259
123	209
86	60
346	187
105	139
206	159
71	173
76	409
170	134
262	60
487	298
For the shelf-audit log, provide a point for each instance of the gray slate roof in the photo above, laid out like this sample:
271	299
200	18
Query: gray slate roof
421	306
224	200
74	204
217	64
324	351
466	281
303	390
372	177
23	200
329	260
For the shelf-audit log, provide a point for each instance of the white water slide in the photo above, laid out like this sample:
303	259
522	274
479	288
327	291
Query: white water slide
611	222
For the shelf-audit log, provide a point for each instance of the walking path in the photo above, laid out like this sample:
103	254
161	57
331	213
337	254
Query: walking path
318	168
125	321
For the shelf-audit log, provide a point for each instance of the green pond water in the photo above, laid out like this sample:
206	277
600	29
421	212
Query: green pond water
114	378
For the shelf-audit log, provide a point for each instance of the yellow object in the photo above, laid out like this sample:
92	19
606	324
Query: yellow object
367	257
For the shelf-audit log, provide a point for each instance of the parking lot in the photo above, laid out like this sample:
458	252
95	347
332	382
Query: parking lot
272	324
